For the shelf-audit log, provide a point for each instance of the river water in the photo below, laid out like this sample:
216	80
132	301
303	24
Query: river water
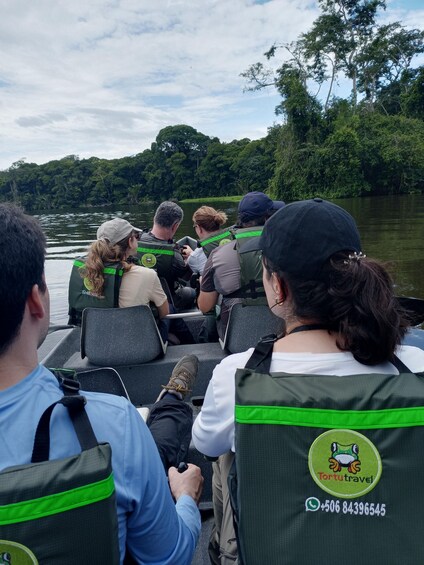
391	227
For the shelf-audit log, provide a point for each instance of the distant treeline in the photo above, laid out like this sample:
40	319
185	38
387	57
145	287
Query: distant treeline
181	163
371	142
355	155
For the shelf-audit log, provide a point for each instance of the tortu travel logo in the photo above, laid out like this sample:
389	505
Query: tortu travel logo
87	284
344	463
148	260
12	553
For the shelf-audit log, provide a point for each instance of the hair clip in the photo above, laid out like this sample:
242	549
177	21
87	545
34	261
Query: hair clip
354	257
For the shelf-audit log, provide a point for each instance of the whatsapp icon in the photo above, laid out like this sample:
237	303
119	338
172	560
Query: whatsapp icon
312	504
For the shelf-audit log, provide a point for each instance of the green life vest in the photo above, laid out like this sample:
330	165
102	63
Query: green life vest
219	238
250	256
328	469
80	297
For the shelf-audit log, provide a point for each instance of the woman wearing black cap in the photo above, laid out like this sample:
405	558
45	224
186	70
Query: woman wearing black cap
341	316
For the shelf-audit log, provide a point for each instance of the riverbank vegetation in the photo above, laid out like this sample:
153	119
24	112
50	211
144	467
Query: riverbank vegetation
370	142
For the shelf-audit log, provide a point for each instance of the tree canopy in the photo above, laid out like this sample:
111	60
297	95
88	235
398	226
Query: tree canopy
181	163
369	142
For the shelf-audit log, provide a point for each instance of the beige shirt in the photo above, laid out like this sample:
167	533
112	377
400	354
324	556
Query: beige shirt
140	286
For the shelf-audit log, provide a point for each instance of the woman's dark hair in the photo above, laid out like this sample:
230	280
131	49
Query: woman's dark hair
100	253
355	299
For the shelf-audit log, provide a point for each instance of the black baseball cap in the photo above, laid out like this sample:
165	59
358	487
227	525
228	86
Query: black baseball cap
302	236
257	204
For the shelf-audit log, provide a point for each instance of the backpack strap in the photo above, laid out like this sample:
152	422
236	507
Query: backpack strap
400	365
75	404
116	287
252	289
260	360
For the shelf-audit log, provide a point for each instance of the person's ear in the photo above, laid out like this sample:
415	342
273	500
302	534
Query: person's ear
278	288
36	303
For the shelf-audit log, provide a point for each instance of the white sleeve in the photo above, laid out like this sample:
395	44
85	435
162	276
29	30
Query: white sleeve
197	260
213	429
413	357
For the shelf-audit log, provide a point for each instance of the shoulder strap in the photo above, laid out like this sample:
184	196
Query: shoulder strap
117	279
400	365
260	360
248	290
75	403
116	287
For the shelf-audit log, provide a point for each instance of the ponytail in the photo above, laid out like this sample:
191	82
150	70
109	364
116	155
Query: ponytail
209	219
355	300
100	253
371	322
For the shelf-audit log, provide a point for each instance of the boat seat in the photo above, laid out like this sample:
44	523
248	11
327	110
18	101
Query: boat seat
247	324
107	379
414	308
120	336
102	379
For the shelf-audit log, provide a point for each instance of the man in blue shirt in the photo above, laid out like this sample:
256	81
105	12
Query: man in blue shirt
151	525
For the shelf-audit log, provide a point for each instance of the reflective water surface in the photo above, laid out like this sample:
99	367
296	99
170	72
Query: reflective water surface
392	229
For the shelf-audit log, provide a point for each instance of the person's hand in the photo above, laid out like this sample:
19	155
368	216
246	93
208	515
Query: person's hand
186	251
190	482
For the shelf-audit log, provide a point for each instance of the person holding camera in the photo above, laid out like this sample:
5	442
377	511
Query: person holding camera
158	250
207	223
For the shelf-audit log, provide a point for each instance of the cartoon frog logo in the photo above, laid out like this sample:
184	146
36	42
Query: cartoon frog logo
345	456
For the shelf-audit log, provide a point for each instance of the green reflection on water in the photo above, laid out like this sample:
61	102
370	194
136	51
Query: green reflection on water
391	227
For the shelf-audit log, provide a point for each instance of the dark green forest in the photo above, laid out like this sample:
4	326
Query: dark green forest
369	143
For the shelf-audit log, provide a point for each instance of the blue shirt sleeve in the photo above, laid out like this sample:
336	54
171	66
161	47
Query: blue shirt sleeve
156	530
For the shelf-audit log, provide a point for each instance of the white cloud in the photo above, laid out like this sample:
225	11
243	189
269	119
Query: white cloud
103	77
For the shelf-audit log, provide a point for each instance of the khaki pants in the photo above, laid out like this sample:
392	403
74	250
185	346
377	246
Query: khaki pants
223	544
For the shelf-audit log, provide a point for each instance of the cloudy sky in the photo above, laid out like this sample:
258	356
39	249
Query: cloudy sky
102	77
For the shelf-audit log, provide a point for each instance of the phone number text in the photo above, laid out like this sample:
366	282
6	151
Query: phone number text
354	508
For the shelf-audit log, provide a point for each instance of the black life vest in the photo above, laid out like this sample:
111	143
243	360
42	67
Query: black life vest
157	256
80	297
250	256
